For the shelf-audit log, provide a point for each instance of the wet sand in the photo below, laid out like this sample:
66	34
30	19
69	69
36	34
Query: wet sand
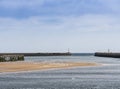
29	66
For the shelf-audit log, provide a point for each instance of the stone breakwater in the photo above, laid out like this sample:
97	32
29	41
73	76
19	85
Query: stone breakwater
38	54
105	54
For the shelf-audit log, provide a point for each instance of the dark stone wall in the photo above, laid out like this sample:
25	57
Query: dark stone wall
114	55
38	54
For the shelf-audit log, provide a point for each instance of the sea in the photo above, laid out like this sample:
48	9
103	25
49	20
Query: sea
105	76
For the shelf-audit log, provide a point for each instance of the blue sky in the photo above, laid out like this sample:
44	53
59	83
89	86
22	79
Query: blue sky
56	25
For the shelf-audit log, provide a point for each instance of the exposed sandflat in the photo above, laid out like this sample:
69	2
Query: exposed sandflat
28	66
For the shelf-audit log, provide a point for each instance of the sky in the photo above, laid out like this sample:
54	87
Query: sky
56	25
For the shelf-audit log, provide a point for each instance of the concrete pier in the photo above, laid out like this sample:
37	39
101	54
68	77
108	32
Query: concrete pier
38	54
107	54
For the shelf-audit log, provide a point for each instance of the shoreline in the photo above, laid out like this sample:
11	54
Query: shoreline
11	67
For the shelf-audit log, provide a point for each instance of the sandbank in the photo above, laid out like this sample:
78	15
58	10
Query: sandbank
29	66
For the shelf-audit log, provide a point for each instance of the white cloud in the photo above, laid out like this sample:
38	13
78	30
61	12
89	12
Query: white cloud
80	33
80	23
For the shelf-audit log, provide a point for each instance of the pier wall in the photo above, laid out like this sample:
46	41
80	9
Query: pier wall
38	54
114	55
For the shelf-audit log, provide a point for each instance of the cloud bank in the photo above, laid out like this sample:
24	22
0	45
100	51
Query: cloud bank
56	25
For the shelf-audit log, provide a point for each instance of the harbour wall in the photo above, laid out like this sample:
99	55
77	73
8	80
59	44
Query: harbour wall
38	54
105	54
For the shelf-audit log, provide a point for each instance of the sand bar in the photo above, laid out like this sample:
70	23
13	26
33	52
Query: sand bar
29	66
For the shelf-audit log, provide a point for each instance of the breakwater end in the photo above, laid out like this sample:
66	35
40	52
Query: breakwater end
106	54
38	54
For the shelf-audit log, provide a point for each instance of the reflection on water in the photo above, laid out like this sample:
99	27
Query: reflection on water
100	77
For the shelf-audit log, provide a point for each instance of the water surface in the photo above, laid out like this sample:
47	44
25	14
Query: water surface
100	77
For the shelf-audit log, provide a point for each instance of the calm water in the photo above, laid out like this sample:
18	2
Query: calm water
100	77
